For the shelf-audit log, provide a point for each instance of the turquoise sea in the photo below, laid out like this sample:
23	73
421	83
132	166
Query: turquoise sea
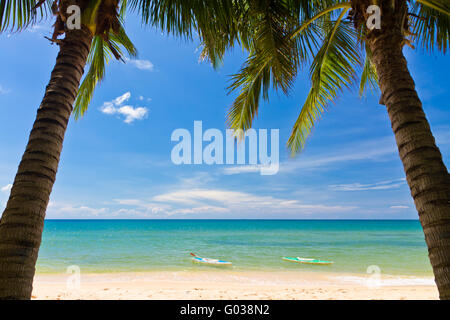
397	247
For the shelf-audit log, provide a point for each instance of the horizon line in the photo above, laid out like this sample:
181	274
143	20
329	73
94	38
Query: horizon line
229	219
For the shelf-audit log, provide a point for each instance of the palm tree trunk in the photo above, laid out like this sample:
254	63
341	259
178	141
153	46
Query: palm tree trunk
426	174
22	221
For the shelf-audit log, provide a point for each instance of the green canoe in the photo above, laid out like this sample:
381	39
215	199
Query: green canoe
307	260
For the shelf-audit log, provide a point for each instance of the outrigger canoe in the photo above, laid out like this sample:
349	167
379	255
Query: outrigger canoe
208	261
307	260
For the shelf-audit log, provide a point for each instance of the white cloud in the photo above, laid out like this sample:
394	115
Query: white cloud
36	28
194	201
108	108
399	207
63	210
383	185
121	99
141	64
129	112
132	114
199	203
6	188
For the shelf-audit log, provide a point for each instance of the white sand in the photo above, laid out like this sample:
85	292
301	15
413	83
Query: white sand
200	285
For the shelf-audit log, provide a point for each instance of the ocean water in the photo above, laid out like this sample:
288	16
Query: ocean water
395	247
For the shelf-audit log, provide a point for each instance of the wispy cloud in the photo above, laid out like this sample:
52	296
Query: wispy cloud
121	99
6	188
37	28
194	180
142	98
141	64
442	135
4	90
40	29
382	185
129	112
210	201
242	169
64	210
372	150
399	207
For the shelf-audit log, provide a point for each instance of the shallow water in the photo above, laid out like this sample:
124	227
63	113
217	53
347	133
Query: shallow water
395	246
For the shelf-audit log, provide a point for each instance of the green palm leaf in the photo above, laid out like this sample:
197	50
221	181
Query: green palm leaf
369	77
101	52
18	14
273	61
323	10
218	23
332	70
220	28
431	24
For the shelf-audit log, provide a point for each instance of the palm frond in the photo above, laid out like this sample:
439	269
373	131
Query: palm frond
121	39
369	76
254	76
123	9
441	6
273	61
333	68
321	12
171	16
221	27
431	24
218	23
98	58
102	51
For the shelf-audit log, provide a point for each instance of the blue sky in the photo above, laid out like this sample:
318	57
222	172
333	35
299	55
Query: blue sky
116	161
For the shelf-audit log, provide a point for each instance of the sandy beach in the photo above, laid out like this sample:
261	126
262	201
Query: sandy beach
204	285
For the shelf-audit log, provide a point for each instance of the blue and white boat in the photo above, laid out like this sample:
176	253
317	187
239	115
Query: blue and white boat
208	261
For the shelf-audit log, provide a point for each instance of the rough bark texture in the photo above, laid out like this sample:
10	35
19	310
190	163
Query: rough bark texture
22	221
427	176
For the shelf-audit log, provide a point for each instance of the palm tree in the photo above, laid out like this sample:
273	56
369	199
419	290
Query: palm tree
333	35
100	37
